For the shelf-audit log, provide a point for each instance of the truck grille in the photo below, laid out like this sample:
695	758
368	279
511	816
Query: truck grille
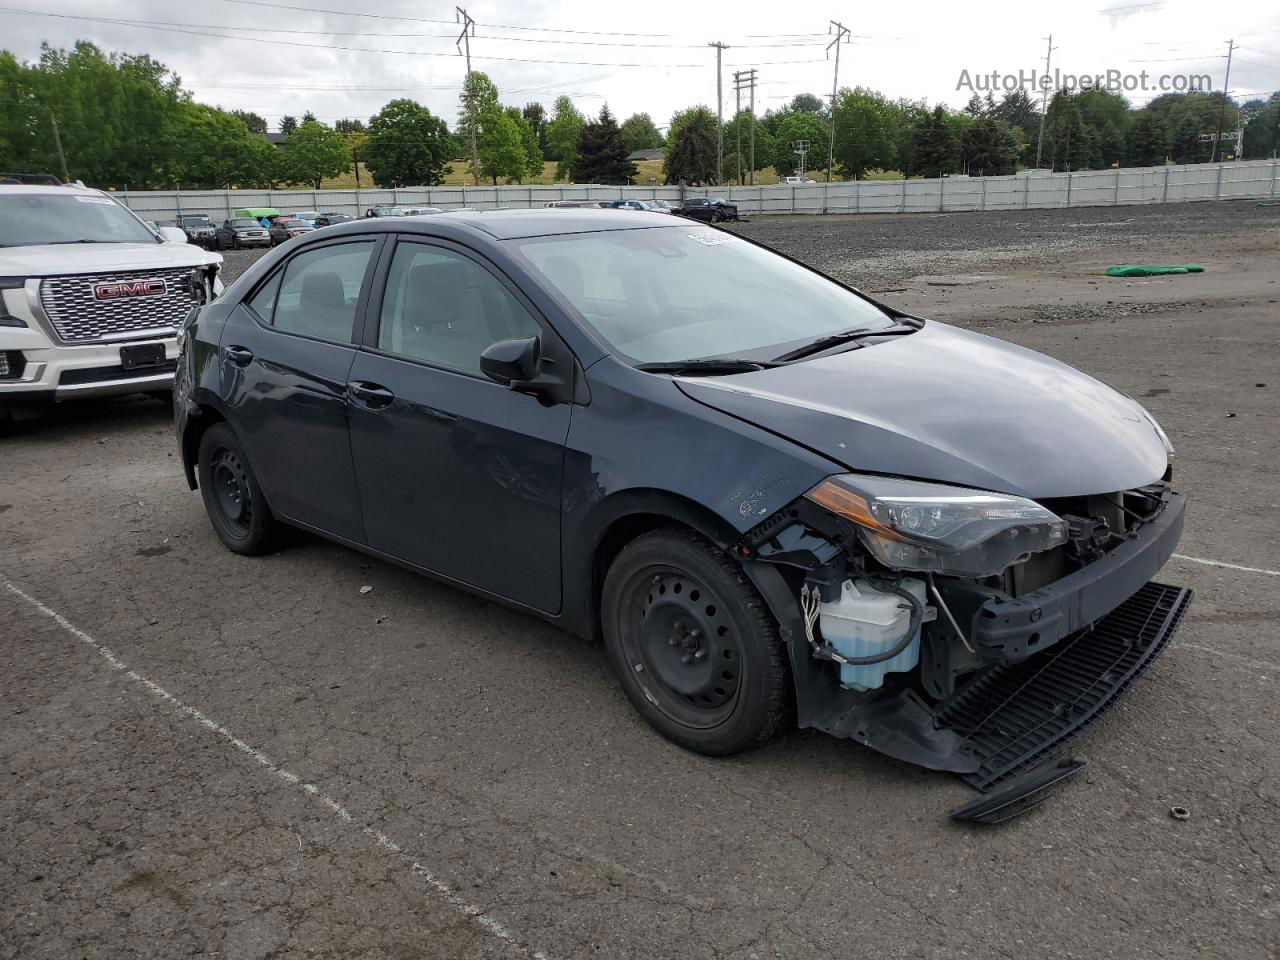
80	317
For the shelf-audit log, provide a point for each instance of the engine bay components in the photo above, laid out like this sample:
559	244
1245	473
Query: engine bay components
865	625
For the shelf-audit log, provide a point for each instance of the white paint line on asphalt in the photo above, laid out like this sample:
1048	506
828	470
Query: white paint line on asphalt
1227	566
487	923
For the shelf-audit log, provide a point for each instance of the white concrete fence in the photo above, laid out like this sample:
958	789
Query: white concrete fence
1254	179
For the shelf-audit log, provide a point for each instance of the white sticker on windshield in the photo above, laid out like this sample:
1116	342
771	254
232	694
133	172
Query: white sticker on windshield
93	199
713	239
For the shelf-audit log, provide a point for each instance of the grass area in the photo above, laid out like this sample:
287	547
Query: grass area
648	173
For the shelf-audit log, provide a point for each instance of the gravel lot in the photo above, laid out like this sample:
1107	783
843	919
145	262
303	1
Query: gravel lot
209	755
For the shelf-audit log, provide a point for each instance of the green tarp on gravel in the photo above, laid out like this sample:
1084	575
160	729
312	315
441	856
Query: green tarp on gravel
1118	271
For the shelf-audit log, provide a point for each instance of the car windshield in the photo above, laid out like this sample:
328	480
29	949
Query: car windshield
245	222
194	221
698	202
27	219
306	215
665	295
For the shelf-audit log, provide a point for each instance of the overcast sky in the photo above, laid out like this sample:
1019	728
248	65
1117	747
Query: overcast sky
253	55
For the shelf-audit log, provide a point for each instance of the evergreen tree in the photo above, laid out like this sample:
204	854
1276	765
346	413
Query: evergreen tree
990	148
1148	144
251	120
602	156
691	147
934	147
288	125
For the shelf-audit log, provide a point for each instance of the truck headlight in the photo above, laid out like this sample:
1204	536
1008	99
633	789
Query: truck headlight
930	527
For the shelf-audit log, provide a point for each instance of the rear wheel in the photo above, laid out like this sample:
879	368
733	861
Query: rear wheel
232	496
693	644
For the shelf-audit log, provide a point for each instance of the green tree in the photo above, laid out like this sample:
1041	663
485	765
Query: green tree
990	147
602	155
1147	144
255	123
500	146
562	136
639	133
536	114
408	146
1262	132
313	153
935	151
347	125
866	132
691	148
798	126
529	141
288	124
479	95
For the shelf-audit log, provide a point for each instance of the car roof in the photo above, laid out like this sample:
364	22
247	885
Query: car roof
543	222
59	189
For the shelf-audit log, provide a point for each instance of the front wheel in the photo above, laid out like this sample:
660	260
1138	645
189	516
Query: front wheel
231	493
694	645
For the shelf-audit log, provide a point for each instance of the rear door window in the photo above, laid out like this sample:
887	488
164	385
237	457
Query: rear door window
320	289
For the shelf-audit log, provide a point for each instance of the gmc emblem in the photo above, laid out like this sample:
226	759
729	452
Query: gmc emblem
128	288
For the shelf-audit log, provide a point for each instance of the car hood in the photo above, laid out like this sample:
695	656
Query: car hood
56	259
952	406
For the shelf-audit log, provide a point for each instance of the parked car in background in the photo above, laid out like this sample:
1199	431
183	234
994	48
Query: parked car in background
198	228
648	205
329	219
708	209
580	204
238	232
90	297
663	206
891	529
796	181
306	216
264	215
373	212
421	211
286	228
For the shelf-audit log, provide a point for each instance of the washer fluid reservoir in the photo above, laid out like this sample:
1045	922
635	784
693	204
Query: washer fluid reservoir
865	621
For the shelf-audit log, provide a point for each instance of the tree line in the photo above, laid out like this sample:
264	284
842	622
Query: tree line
125	120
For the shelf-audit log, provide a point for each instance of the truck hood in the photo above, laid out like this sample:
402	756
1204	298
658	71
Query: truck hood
952	406
58	259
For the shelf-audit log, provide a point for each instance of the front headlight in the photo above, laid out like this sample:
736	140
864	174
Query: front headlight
929	527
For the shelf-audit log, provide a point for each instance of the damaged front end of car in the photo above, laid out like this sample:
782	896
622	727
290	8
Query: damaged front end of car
966	630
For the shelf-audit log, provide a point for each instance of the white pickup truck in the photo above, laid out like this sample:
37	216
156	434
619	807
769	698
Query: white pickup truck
90	297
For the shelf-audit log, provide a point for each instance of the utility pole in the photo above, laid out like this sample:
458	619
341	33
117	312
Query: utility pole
720	49
57	142
842	33
800	147
464	45
746	80
1222	114
1044	98
737	127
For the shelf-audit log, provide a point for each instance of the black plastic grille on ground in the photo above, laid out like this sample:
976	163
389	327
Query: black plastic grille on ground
1018	715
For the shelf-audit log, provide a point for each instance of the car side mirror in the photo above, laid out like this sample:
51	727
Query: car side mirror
511	362
171	234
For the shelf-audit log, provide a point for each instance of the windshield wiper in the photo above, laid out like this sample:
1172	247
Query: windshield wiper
836	339
707	367
54	243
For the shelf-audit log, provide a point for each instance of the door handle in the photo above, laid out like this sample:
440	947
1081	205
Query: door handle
240	356
372	395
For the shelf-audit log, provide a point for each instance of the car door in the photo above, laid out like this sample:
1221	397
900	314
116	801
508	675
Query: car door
457	474
286	351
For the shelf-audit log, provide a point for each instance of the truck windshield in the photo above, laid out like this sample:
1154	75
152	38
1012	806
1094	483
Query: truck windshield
688	292
28	219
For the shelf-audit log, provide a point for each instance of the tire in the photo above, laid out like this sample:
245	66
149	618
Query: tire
232	495
693	644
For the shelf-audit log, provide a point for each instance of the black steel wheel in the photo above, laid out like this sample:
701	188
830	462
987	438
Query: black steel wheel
693	644
232	497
